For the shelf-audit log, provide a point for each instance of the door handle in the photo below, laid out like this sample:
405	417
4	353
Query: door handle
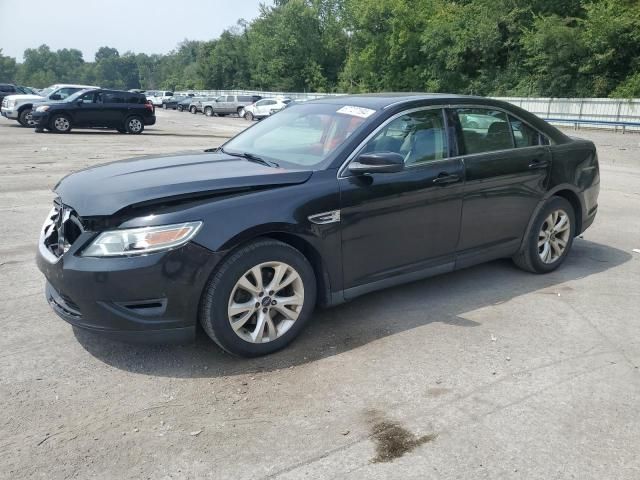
537	163
445	178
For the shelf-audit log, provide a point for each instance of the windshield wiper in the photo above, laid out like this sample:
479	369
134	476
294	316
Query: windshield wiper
251	157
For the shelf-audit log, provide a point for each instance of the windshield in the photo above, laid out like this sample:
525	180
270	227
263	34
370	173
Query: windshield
74	96
303	136
46	91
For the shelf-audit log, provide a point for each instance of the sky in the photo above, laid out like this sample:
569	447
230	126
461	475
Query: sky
141	26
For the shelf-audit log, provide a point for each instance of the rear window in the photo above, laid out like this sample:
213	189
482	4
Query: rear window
245	99
7	88
136	99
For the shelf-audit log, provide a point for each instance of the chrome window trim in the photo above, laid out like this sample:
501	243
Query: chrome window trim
377	130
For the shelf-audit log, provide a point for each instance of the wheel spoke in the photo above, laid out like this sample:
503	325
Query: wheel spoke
257	275
562	225
238	308
245	284
278	274
271	327
238	323
544	255
258	334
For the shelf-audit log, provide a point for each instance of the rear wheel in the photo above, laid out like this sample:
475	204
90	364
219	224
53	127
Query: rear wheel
240	111
208	111
550	238
25	118
179	108
134	125
60	123
259	299
193	110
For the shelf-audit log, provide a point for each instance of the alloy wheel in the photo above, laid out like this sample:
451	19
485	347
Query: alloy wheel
62	124
554	236
265	302
135	125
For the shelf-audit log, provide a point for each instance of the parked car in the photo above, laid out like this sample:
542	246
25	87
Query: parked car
197	104
263	108
157	97
19	107
126	112
10	89
183	105
172	102
321	203
228	104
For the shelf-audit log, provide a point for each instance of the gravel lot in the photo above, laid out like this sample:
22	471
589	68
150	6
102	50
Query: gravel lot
486	373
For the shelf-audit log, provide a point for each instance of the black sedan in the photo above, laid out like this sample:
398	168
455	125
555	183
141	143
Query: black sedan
173	102
321	203
126	112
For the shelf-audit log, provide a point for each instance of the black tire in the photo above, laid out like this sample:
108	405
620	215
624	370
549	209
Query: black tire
134	125
215	298
193	110
248	116
529	256
164	106
39	130
208	111
179	108
24	118
60	123
121	130
240	109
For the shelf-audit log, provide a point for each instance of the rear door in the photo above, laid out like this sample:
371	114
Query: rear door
113	110
507	169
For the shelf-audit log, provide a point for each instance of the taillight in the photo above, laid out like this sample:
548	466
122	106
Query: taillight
149	106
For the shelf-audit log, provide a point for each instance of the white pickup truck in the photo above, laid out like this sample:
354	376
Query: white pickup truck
19	107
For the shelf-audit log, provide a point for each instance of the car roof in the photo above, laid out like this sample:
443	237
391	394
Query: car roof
383	100
74	85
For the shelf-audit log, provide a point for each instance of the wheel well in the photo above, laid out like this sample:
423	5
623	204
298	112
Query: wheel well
22	107
573	199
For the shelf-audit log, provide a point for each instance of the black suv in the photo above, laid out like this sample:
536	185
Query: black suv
7	89
126	112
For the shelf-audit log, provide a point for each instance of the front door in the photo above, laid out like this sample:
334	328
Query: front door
399	225
85	110
507	168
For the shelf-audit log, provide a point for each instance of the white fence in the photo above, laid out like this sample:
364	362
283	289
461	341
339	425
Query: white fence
612	113
609	113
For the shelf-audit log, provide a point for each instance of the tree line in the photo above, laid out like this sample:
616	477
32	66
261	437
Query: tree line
550	48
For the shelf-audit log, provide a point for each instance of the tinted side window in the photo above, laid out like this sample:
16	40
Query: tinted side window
419	137
524	135
244	99
135	99
114	97
87	97
484	130
7	88
231	98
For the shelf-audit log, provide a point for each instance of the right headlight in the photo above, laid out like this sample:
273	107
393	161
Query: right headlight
42	108
11	103
139	241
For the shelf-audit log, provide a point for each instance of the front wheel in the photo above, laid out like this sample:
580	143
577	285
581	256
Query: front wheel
259	299
25	118
60	123
179	108
248	116
134	125
208	111
549	239
193	110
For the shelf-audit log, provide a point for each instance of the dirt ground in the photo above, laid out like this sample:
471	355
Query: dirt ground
486	373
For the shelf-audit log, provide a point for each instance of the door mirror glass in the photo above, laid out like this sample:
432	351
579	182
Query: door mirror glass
377	162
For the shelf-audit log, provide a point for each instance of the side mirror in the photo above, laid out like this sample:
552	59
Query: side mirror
378	162
80	101
55	96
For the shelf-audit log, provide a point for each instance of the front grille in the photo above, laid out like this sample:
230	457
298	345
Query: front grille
61	229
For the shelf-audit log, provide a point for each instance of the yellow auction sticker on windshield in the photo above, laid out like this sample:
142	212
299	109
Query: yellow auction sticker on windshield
356	111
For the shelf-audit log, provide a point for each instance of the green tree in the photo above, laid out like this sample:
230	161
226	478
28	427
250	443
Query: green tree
8	68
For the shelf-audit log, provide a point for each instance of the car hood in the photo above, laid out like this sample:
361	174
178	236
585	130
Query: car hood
107	189
25	97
